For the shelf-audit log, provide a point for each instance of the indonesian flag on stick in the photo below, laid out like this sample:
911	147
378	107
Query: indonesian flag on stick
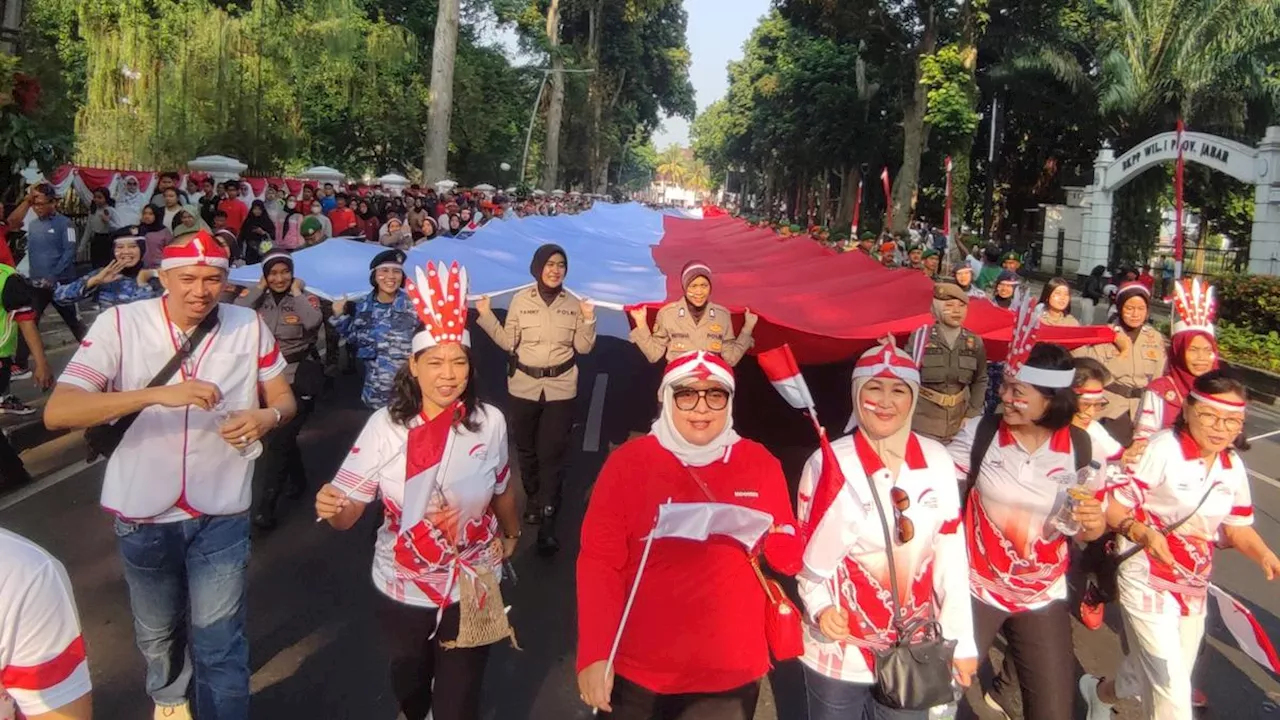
857	208
888	199
1244	627
946	215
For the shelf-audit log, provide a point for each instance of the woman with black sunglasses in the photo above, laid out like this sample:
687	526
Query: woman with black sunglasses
847	576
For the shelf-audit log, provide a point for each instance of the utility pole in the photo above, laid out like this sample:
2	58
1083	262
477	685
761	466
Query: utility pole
533	116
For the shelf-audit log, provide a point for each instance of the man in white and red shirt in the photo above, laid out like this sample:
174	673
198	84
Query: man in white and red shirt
179	482
43	671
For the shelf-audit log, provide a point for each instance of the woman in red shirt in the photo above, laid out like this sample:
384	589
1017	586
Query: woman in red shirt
694	644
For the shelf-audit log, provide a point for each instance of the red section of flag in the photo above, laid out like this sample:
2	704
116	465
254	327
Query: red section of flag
825	490
888	200
857	209
779	365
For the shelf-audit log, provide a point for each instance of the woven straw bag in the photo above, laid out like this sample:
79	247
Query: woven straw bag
481	625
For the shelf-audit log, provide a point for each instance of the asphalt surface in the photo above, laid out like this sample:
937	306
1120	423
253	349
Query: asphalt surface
316	649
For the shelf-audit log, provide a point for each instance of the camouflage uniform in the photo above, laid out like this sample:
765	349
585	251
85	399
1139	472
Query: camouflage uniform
120	291
382	334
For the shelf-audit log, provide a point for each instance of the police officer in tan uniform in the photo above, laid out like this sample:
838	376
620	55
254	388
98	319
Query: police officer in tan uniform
545	331
692	323
295	319
953	371
1138	356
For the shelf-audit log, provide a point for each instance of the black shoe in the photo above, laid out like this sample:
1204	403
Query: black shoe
532	517
548	545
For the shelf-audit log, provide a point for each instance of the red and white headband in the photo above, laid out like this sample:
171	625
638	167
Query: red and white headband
201	250
1091	395
440	298
698	365
887	361
1217	402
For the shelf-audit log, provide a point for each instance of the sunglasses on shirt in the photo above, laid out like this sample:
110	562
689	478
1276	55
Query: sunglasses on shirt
901	501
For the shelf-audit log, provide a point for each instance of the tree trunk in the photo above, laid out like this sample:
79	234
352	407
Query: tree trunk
962	157
914	133
555	110
435	158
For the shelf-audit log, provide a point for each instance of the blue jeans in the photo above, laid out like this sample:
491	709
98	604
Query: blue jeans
831	699
187	589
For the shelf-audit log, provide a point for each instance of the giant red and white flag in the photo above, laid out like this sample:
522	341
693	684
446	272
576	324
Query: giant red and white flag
700	521
779	365
1246	630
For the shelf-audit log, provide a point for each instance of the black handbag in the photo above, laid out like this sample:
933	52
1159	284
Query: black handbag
914	673
104	439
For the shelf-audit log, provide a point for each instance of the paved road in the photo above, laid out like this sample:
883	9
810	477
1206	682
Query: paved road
315	645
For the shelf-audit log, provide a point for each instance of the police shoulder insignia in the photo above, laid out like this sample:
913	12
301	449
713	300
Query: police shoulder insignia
970	342
315	301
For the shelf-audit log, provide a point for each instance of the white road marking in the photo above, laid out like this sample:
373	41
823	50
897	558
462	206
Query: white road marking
595	415
1264	435
1259	476
45	483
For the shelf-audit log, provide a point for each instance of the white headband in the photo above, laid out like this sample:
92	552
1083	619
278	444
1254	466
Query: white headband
1218	403
1041	377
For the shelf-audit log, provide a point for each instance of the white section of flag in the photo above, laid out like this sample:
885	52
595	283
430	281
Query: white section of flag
1246	630
794	391
699	521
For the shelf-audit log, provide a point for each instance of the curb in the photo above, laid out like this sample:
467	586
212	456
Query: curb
1264	386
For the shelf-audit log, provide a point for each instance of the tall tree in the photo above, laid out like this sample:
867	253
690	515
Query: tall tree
555	106
435	159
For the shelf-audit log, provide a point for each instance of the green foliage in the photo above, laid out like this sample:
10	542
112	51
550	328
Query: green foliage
1251	302
1244	346
638	167
952	94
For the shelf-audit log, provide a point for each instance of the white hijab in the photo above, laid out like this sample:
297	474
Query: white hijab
689	454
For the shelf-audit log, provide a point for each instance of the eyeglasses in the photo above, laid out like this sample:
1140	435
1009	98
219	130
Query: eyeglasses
902	501
1093	405
687	398
1214	421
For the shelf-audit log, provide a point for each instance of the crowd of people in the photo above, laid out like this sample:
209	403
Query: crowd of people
958	519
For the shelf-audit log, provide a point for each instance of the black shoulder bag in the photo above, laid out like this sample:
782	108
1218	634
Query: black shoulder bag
911	674
1108	572
1081	451
104	439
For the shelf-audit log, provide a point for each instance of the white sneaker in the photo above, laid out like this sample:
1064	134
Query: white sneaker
1098	710
173	712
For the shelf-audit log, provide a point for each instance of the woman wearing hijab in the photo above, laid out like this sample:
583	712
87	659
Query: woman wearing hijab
1015	469
1190	476
930	572
1193	351
1056	300
437	534
395	235
694	644
415	216
130	201
1136	358
102	221
546	329
368	221
258	233
455	225
692	323
155	236
121	281
1006	284
379	327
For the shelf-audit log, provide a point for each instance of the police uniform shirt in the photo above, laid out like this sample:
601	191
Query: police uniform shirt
959	370
542	336
295	321
676	332
1145	362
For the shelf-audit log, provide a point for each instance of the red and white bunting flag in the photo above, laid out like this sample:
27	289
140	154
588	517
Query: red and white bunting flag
699	521
888	200
1244	627
779	365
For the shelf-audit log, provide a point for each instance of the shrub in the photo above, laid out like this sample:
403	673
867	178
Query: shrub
1245	346
1251	302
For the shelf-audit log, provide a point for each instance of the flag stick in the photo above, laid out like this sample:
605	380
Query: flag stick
626	610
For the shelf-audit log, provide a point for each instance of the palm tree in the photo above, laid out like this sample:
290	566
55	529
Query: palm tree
699	177
672	167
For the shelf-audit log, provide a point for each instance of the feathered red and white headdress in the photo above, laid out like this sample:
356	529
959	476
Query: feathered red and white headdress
1194	307
440	298
1026	330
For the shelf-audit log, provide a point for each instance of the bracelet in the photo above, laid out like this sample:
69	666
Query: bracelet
508	536
279	416
1126	526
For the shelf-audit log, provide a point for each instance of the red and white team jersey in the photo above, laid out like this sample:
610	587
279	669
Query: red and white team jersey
42	661
1017	559
173	464
1166	486
448	529
847	552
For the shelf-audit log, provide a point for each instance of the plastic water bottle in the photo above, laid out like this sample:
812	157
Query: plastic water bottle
1063	521
943	712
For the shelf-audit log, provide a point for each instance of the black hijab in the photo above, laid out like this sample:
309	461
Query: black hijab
540	258
263	221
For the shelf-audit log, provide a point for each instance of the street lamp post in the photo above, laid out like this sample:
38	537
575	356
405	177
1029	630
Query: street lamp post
533	116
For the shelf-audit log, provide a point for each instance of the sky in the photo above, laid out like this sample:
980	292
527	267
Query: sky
717	31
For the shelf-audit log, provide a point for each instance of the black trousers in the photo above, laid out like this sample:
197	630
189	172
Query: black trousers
12	471
541	430
42	298
426	677
281	463
632	702
1039	643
